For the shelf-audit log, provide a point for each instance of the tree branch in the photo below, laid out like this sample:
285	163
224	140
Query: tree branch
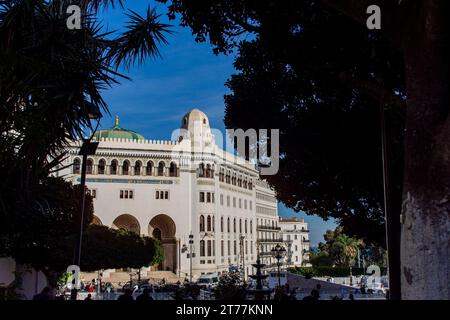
373	89
390	14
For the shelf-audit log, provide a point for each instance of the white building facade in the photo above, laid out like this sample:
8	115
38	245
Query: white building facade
172	189
295	235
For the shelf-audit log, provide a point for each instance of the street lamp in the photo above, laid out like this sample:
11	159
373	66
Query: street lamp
87	148
241	240
278	252
191	242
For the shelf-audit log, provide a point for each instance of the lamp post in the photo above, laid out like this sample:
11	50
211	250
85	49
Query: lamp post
191	242
87	148
241	240
278	252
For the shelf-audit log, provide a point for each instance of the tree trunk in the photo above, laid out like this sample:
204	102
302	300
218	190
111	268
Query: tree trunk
425	236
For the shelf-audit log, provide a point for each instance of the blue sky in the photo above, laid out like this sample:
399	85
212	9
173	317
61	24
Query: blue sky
162	90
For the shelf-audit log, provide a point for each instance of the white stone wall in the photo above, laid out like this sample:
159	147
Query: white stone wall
296	233
183	206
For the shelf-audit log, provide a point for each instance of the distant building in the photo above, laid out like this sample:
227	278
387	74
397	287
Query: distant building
295	235
171	189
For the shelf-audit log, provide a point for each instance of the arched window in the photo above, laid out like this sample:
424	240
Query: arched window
208	171
245	230
228	177
173	170
101	166
228	225
251	227
201	170
222	251
89	166
149	168
240	225
234	225
202	248
209	248
137	168
208	223
161	169
250	185
76	166
202	223
221	224
113	167
126	168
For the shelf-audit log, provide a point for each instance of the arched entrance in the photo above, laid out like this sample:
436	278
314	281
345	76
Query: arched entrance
163	228
127	222
96	221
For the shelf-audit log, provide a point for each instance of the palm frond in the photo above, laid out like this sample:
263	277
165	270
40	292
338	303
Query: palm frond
141	38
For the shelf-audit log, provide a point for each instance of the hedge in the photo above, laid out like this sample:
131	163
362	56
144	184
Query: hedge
329	271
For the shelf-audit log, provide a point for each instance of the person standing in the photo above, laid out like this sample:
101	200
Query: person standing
144	296
43	296
126	296
73	294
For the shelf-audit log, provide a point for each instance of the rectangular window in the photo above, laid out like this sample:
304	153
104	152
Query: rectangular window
240	203
221	199
92	193
126	194
245	204
229	247
212	197
202	197
228	201
162	195
208	197
209	248
234	247
251	206
234	202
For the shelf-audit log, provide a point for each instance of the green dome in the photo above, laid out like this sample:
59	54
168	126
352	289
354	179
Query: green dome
117	132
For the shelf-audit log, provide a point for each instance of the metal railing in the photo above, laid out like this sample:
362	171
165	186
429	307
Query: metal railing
263	227
277	240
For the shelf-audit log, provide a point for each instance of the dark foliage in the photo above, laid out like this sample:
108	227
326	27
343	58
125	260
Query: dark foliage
50	79
318	76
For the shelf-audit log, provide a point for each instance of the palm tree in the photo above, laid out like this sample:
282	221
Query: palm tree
345	249
50	79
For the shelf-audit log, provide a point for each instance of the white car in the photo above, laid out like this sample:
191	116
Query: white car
208	281
377	287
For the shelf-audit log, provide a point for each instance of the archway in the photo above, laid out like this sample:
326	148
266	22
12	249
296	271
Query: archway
163	228
96	221
127	222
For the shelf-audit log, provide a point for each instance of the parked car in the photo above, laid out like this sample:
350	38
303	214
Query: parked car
376	287
208	281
